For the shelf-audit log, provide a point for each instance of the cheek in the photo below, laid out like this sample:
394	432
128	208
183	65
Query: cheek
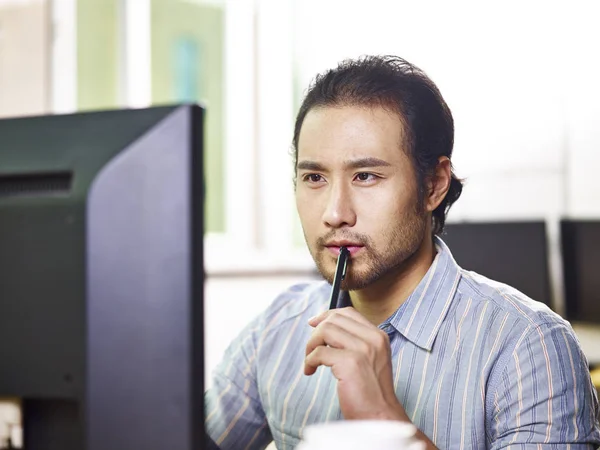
308	211
384	211
378	205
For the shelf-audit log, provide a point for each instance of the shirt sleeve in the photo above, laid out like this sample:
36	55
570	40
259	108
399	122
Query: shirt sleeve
234	416
544	397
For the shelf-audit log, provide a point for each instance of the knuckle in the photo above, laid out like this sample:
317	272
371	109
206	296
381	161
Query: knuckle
365	348
334	316
326	328
354	360
319	351
313	355
383	340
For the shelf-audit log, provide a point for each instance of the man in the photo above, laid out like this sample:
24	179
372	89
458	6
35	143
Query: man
472	363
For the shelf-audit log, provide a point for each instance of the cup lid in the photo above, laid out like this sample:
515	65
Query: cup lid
375	433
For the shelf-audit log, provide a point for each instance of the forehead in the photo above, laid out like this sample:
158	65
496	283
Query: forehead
349	132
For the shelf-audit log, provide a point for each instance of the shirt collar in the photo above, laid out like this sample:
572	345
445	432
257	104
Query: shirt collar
419	318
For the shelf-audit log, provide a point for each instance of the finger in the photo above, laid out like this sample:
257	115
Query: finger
330	334
316	320
364	331
348	312
322	356
342	331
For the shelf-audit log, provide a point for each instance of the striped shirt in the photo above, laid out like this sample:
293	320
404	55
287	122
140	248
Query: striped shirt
476	365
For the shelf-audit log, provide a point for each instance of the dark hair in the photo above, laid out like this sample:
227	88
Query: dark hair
398	86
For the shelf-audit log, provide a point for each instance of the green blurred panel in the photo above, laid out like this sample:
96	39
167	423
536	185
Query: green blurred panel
187	66
97	54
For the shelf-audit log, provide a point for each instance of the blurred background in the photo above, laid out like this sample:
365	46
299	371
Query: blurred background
521	78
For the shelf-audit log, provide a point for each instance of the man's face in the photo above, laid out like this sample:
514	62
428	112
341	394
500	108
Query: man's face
356	187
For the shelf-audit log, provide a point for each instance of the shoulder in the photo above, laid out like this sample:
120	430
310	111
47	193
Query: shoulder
538	357
523	312
539	346
299	300
521	324
260	335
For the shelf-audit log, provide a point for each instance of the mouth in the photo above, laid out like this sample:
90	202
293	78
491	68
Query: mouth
335	246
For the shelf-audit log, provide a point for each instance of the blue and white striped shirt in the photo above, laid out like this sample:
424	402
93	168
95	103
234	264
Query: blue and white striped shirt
477	365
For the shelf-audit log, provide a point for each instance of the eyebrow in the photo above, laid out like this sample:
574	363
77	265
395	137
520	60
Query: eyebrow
353	164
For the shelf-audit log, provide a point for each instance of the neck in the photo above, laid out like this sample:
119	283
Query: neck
379	300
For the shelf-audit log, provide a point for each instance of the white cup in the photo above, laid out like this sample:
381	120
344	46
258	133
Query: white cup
361	435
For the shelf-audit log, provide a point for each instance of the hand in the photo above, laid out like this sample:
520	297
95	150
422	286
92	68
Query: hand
359	355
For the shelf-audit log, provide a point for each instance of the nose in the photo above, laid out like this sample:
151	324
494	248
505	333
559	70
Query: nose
339	210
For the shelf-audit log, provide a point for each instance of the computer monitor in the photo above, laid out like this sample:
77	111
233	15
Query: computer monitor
580	242
101	278
514	253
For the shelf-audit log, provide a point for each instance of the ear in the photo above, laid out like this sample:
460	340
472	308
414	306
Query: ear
439	183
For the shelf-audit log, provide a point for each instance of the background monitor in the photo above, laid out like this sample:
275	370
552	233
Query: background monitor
101	278
514	253
580	242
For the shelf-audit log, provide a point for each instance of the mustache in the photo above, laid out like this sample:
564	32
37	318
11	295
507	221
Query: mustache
354	237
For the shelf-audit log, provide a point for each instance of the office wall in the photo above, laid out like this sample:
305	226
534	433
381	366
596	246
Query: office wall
518	76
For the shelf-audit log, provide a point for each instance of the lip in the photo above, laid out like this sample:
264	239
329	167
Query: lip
334	247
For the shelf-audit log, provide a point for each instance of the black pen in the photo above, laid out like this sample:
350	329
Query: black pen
340	274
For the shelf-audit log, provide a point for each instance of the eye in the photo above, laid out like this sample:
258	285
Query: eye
365	176
312	178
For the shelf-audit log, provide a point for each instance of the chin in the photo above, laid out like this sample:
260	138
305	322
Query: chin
326	268
353	281
358	283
